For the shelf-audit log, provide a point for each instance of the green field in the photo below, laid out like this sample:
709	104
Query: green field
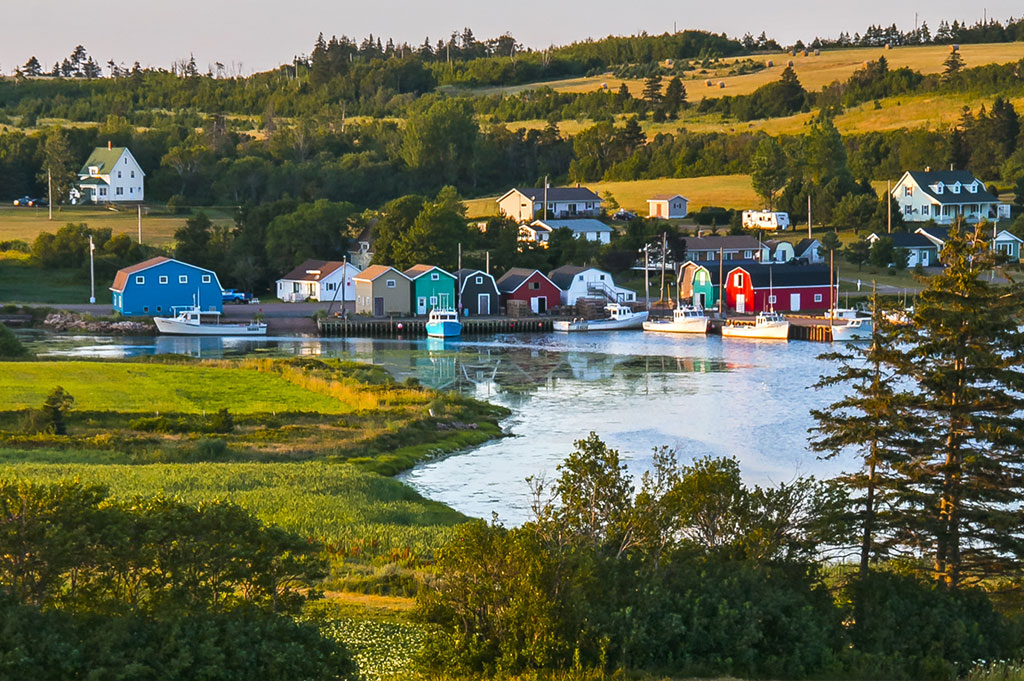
344	507
157	228
23	282
144	388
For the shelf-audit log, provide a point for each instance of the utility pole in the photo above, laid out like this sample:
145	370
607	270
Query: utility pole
460	255
49	193
721	282
140	223
92	273
888	204
546	197
647	278
809	217
664	246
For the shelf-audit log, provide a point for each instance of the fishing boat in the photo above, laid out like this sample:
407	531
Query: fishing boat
684	320
768	325
850	325
188	321
443	323
619	317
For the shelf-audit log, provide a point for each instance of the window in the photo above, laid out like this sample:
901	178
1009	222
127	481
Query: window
908	191
579	278
479	280
133	175
817	297
163	279
701	278
119	174
738	279
434	276
433	301
120	191
182	278
157	308
140	280
207	278
908	209
748	254
601	277
145	308
331	287
534	285
131	190
391	283
103	191
771	300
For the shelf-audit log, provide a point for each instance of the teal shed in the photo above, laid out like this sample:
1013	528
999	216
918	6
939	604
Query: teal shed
697	286
432	287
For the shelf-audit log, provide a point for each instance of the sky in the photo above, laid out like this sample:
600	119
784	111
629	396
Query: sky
255	35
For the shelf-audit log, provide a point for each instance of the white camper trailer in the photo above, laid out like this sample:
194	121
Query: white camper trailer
765	219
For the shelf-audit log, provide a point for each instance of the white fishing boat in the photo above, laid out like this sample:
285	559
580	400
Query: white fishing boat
443	323
850	325
619	317
188	321
684	320
768	325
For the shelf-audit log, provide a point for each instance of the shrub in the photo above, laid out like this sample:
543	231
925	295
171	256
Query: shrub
10	346
210	449
221	422
52	416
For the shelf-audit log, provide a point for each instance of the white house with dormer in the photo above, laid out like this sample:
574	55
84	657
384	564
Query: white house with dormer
111	175
944	196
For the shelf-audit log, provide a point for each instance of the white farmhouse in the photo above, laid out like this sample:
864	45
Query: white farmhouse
944	196
523	205
111	175
322	280
588	282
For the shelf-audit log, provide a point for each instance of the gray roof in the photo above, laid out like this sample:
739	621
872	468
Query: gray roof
559	194
512	279
578	225
563	276
713	243
466	273
802	245
925	179
909	240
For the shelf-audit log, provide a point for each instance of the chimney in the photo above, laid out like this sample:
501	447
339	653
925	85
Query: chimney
110	145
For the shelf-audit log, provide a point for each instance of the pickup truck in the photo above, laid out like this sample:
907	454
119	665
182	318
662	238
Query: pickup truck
230	295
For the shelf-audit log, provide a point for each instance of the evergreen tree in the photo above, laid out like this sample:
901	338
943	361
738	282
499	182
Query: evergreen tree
873	419
58	166
675	95
953	65
652	90
32	67
964	353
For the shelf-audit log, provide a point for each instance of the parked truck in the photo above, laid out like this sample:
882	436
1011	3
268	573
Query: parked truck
765	219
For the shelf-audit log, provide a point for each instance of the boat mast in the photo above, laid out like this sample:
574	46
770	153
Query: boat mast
831	286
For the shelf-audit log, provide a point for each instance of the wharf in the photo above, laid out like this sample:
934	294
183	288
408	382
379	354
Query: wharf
417	328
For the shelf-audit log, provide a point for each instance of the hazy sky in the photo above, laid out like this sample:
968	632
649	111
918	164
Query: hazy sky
261	34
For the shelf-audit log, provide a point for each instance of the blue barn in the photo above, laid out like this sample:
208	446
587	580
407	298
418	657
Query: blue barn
156	286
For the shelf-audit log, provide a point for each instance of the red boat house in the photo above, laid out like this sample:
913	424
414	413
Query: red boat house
520	283
753	288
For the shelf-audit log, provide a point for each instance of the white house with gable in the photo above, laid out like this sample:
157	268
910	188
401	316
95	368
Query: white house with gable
526	204
111	175
322	280
588	282
944	196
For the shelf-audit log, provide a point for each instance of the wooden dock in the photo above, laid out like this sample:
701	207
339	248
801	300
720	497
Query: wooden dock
417	328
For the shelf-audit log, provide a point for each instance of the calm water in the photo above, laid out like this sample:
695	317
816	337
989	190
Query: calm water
702	396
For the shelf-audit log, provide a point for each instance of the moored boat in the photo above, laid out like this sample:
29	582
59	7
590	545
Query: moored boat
188	321
443	323
767	325
619	317
850	325
684	320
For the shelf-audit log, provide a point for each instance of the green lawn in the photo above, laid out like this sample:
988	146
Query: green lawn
147	388
23	282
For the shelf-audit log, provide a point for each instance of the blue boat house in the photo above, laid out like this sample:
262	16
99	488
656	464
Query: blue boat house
156	286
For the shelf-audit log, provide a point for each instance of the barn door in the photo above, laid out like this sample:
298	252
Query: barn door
378	307
741	303
794	302
483	304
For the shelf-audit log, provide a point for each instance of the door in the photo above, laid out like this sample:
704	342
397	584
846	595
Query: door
741	303
378	307
483	304
539	304
701	300
924	258
421	305
794	302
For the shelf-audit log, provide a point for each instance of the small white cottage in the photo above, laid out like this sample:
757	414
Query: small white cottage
321	280
670	206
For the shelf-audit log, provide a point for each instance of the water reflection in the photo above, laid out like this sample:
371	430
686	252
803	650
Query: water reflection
702	396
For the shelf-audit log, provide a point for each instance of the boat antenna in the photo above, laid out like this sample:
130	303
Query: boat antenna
771	290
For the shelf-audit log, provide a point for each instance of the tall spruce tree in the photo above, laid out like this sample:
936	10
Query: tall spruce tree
873	420
965	355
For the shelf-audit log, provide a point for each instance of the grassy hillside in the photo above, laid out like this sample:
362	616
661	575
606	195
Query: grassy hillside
728	191
157	229
814	72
